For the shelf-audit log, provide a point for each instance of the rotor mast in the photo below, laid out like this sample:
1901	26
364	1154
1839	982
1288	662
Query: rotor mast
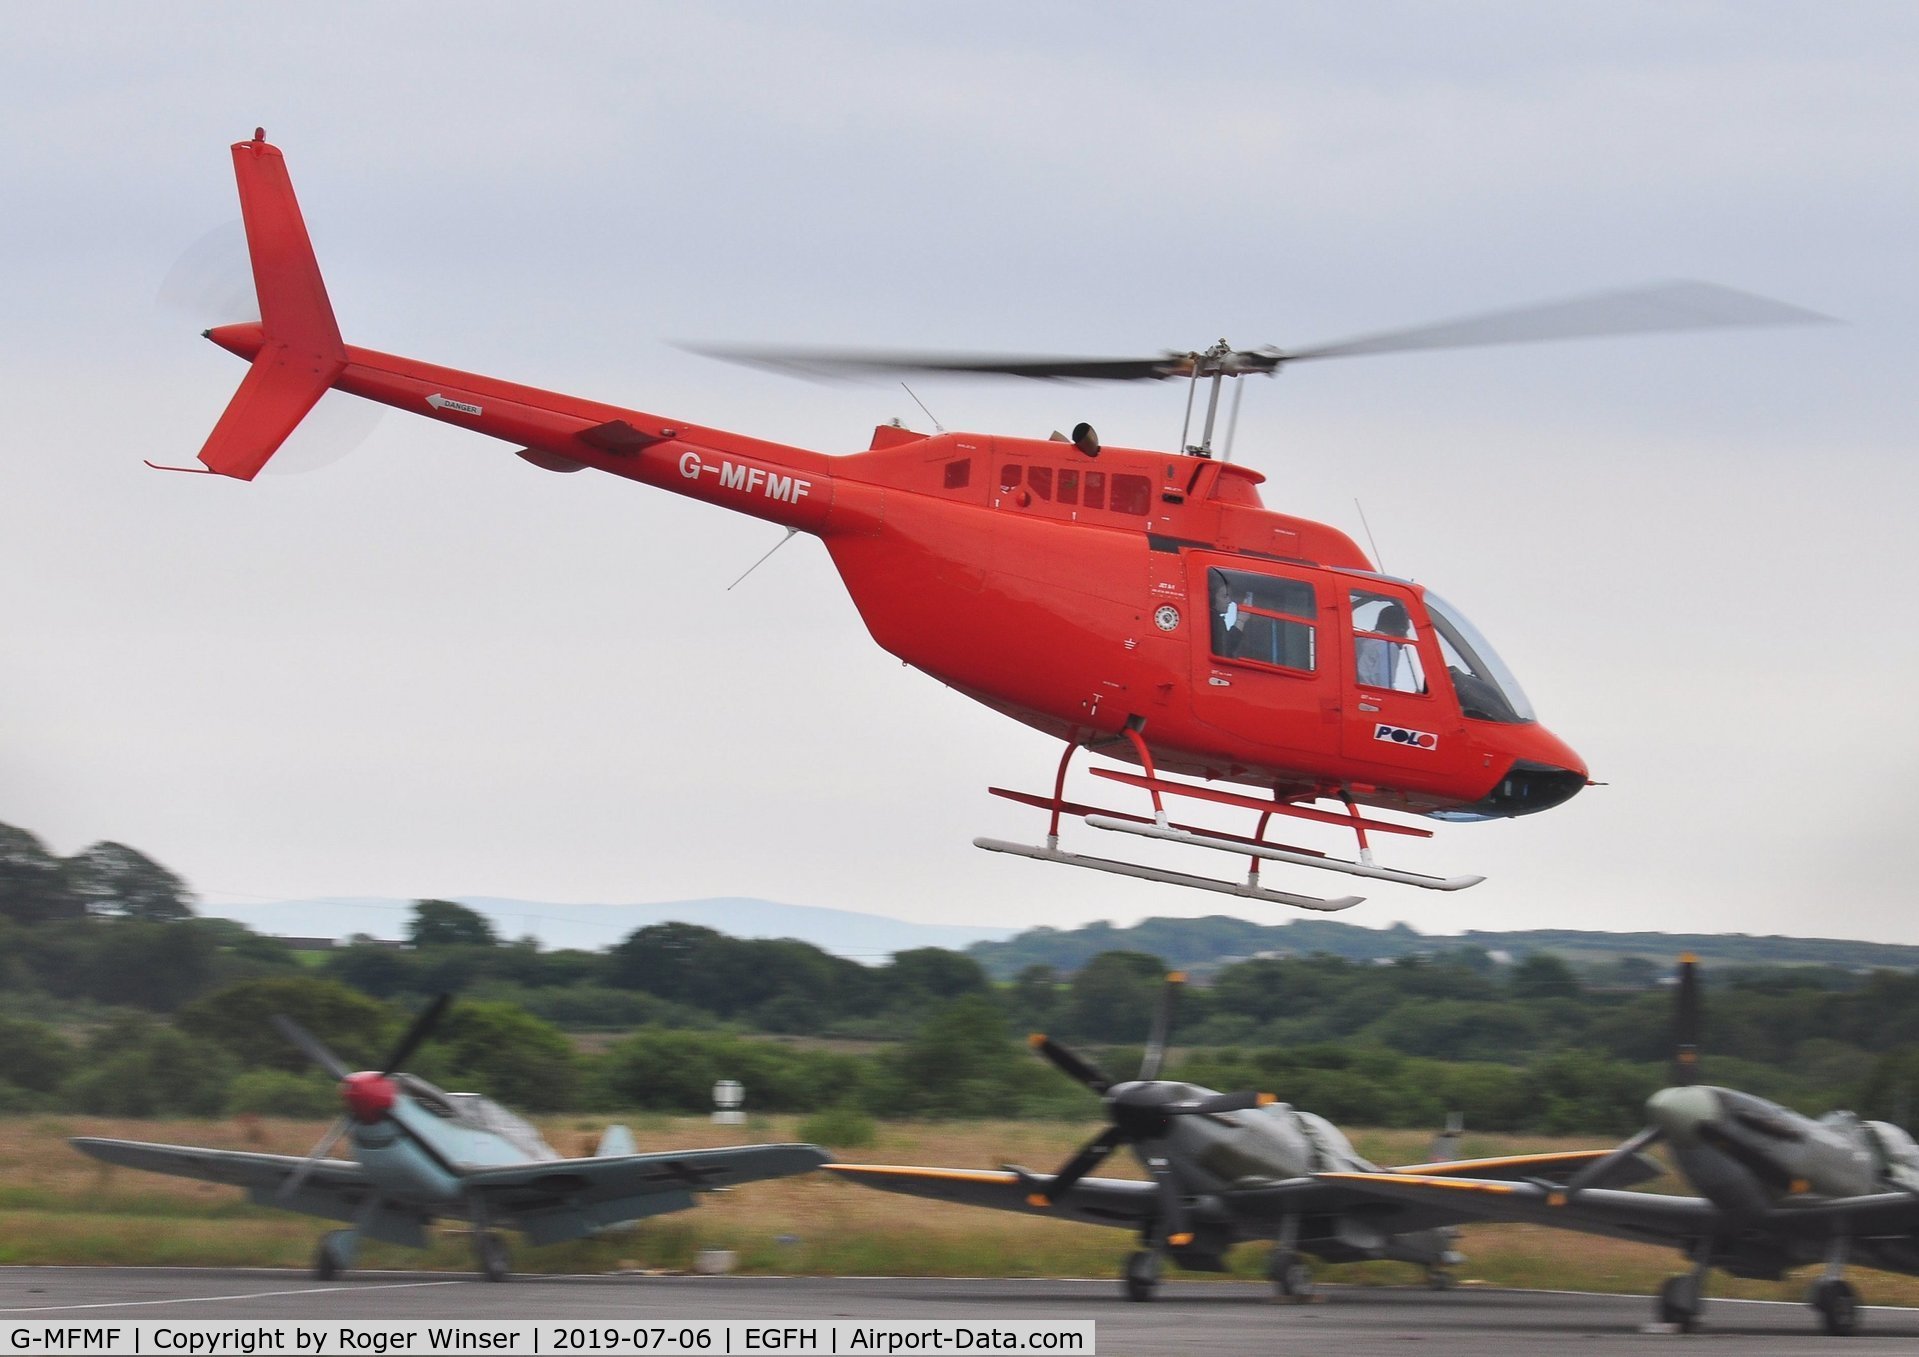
1217	363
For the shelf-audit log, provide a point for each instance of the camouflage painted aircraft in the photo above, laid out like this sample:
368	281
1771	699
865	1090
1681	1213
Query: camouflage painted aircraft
1226	1168
420	1153
1777	1190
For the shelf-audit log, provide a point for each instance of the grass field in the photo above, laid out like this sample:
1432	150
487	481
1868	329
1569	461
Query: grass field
58	1206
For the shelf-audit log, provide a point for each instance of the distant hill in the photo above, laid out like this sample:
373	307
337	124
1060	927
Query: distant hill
864	937
1205	944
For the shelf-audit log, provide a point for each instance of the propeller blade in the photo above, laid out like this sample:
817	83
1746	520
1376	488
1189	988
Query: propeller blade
314	1156
1155	1054
1074	1066
1218	1103
422	1026
1656	308
1173	1225
1596	1173
1685	1024
1090	1156
315	1050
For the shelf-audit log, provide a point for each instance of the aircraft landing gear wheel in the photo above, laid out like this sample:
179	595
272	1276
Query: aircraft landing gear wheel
493	1256
1678	1303
1838	1306
1142	1275
1438	1279
330	1259
1292	1279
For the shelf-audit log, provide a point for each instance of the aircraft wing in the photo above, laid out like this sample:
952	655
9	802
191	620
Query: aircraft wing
1102	1201
1626	1215
556	1199
334	1188
1636	1168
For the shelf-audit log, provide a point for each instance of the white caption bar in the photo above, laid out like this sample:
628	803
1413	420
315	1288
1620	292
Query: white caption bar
675	1337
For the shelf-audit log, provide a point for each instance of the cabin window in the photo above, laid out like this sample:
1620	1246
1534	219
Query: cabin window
1094	496
1132	494
1009	476
1385	649
1263	619
1039	479
959	474
1068	485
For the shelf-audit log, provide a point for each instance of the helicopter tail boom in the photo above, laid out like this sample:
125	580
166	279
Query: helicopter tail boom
297	356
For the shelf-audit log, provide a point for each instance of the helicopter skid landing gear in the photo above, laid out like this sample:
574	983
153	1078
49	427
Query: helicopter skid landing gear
1143	873
1256	847
1142	1274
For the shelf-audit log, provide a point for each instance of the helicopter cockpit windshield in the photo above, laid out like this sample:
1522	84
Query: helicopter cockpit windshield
1486	687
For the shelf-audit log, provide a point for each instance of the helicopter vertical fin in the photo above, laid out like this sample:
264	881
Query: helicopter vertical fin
297	348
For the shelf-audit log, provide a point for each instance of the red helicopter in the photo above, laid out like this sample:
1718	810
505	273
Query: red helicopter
1144	606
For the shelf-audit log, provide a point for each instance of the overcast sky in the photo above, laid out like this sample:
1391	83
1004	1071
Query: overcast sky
425	668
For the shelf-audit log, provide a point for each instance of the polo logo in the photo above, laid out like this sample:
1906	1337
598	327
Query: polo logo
1415	739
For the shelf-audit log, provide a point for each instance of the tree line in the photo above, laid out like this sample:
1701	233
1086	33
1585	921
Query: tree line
114	998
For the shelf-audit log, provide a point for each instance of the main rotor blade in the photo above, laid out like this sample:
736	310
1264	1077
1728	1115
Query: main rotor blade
423	1025
1656	308
1155	1054
1090	1156
314	1156
1076	1066
853	363
311	1045
1685	1024
1596	1173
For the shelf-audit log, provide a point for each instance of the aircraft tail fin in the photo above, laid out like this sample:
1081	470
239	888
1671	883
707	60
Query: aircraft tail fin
615	1141
296	348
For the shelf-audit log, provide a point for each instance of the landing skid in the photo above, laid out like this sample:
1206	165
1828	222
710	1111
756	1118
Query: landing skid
1249	890
1272	853
1286	801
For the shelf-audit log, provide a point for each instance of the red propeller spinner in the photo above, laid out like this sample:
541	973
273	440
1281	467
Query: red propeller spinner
368	1096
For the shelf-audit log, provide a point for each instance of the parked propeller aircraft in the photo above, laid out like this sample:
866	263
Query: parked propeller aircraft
421	1153
1778	1190
1230	1167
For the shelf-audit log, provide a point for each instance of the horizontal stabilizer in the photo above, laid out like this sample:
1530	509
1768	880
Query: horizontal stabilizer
275	395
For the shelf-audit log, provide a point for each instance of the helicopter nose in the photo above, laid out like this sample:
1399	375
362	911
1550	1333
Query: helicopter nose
1529	787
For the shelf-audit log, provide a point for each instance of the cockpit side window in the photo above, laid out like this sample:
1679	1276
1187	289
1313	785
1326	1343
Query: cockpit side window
1263	619
1385	647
